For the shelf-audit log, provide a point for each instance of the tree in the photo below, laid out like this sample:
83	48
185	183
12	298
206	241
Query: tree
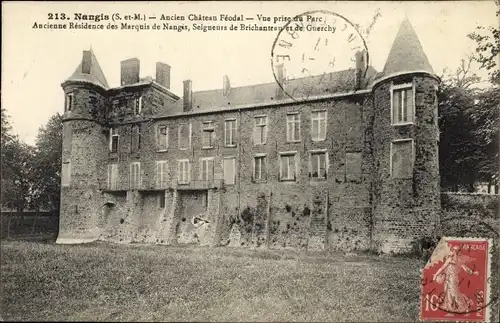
16	160
486	115
469	127
469	117
488	48
457	141
46	165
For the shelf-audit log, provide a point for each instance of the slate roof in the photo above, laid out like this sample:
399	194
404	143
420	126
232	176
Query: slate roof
406	54
96	76
341	81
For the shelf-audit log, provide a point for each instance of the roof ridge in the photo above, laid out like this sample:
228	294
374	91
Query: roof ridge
270	83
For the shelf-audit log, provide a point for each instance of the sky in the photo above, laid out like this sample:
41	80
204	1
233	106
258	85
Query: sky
37	61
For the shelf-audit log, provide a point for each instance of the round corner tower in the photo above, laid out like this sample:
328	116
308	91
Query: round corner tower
406	194
83	153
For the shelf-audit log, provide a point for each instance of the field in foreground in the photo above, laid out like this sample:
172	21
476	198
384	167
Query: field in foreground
103	282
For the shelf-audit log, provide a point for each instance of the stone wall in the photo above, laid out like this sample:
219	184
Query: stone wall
305	213
81	202
473	215
356	204
406	209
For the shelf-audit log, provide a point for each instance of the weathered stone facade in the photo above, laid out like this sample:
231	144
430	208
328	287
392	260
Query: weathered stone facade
355	204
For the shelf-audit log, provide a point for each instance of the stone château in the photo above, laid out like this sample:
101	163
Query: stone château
346	168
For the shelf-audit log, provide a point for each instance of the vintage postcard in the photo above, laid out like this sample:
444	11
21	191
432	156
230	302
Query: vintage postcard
250	161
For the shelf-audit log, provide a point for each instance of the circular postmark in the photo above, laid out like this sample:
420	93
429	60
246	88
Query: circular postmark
317	52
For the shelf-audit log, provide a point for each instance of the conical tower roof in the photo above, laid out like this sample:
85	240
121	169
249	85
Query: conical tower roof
89	70
407	54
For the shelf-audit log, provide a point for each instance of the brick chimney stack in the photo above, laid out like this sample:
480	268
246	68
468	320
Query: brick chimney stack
163	74
360	67
130	69
188	96
86	62
280	77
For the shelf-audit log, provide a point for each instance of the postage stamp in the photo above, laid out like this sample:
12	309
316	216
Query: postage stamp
456	281
316	43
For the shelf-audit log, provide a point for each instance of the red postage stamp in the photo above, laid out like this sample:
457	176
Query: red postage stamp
456	281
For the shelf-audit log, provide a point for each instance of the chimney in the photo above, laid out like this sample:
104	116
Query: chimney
129	71
226	86
280	77
86	62
360	68
188	96
163	74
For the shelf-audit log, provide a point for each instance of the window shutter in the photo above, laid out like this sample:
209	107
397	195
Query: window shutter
158	175
410	108
322	133
256	130
158	138
263	168
109	176
395	106
210	170
165	173
297	130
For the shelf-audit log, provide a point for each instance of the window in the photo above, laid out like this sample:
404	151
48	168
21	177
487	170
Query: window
353	161
260	130
184	171
161	199
403	103
206	169
161	174
184	136
112	176
135	175
113	140
66	174
138	105
161	138
92	100
69	102
288	166
115	104
230	133
136	138
318	125
402	158
208	134
293	127
204	200
318	164
229	170
259	168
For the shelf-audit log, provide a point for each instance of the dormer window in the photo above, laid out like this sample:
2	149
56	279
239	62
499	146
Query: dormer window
403	104
68	102
136	138
92	100
113	140
138	105
184	136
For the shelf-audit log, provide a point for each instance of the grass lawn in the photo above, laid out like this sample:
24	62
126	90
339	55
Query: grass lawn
106	282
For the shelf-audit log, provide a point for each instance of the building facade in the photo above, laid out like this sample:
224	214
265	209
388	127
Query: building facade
351	165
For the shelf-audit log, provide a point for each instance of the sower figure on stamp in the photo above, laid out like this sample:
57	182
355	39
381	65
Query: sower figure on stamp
454	301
